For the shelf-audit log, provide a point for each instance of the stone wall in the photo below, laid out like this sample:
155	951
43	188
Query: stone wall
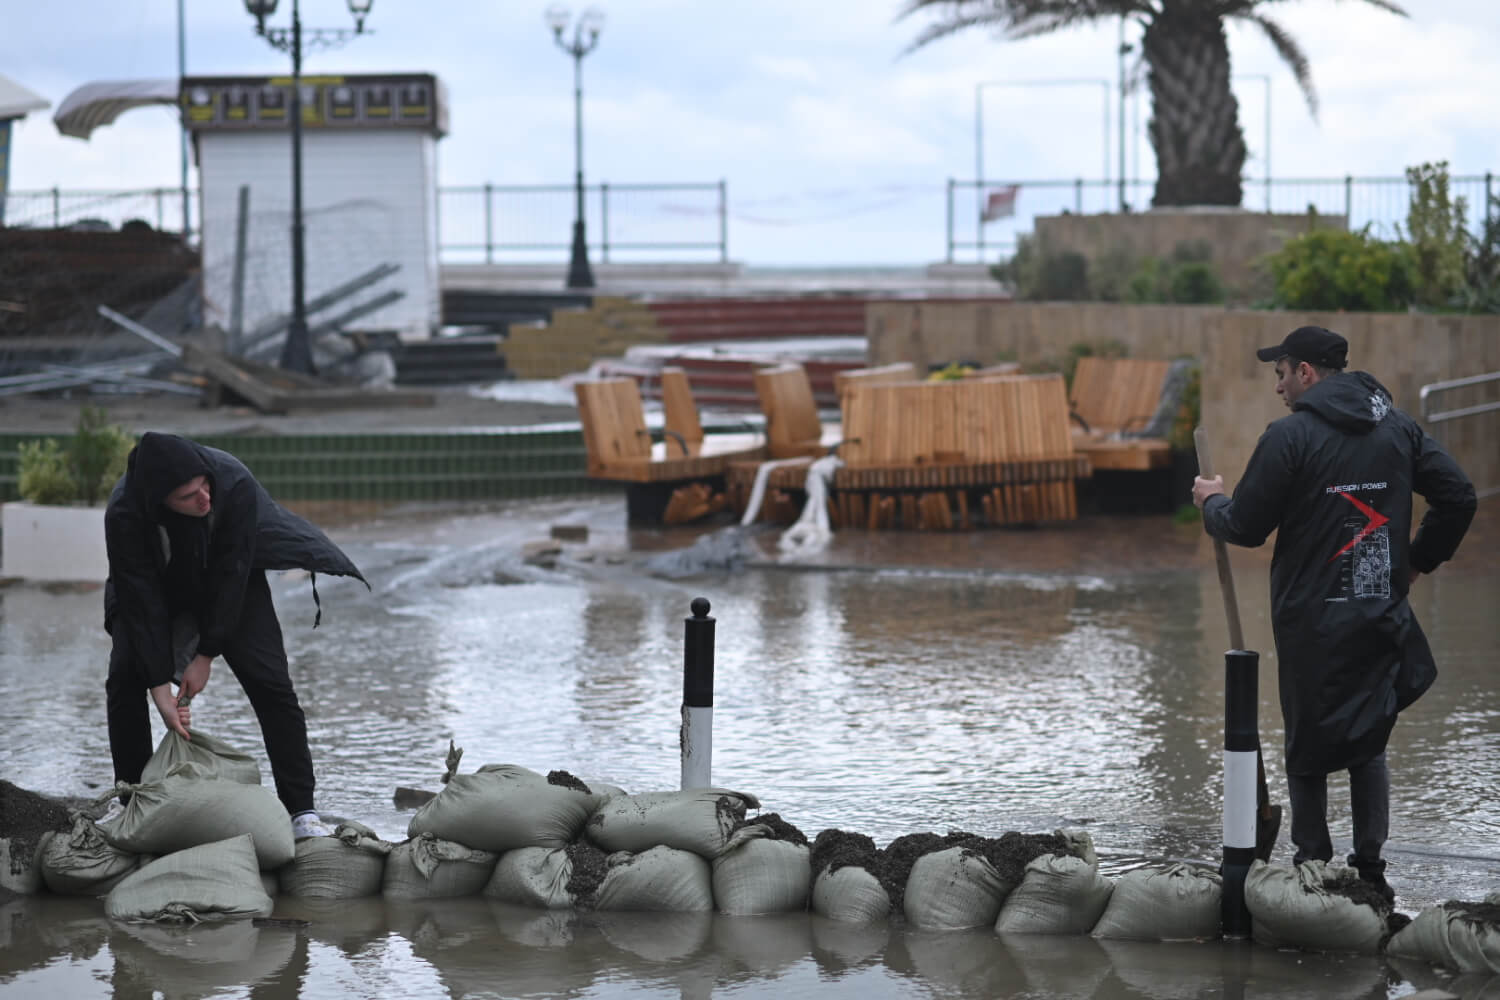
1235	237
1404	351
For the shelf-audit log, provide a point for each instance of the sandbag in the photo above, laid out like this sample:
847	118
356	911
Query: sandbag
348	865
81	862
1059	894
190	807
952	889
1178	903
532	876
697	819
1453	935
217	881
851	895
755	874
501	807
1292	907
213	755
20	864
662	879
426	867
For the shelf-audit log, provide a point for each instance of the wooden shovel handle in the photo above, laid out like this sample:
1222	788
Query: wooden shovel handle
1221	553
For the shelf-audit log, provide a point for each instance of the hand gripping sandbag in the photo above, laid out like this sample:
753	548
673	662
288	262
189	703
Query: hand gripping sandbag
952	889
533	876
1177	903
757	874
1059	894
190	807
697	819
81	862
217	881
1453	935
348	865
663	879
426	867
1293	908
214	756
501	807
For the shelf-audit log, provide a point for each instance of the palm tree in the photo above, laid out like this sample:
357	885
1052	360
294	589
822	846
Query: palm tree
1194	127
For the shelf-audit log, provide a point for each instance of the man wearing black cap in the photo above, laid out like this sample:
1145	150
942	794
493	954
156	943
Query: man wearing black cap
190	534
1335	480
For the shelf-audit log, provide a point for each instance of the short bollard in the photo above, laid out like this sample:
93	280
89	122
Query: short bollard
1241	757
697	734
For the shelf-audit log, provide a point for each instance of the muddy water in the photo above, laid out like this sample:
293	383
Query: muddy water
1004	681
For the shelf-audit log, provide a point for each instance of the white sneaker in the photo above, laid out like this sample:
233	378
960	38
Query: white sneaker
307	824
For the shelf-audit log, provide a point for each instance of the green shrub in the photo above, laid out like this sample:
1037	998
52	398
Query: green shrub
1435	232
83	471
1328	270
1195	283
44	474
1482	265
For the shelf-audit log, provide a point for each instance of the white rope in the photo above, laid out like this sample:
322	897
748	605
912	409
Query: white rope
758	491
812	532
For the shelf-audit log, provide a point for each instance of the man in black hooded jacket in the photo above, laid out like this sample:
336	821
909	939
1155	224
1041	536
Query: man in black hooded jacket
190	534
1335	481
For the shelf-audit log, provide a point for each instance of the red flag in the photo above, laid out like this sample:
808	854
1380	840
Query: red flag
1001	203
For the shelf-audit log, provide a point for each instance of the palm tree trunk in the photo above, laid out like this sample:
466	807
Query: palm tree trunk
1194	126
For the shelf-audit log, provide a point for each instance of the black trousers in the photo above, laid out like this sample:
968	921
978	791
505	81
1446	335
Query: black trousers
257	656
1369	801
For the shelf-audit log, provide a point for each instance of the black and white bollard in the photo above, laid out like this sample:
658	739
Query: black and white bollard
1241	760
697	734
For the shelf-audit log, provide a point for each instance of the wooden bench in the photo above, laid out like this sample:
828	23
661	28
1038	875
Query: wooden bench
1114	396
901	371
793	427
936	455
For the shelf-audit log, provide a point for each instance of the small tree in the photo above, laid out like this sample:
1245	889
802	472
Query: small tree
1435	228
85	470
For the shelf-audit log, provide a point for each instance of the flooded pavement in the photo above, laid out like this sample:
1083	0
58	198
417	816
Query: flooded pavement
1006	680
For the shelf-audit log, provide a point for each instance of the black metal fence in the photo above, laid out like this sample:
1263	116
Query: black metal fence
1378	202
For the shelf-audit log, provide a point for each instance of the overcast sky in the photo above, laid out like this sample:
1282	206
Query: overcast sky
835	147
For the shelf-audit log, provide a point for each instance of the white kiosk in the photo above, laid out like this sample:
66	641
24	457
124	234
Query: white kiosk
369	196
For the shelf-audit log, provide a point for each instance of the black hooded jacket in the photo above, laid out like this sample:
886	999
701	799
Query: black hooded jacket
1335	481
163	564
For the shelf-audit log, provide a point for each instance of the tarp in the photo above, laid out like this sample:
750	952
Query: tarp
97	104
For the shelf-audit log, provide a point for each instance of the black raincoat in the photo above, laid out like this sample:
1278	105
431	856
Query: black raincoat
246	531
1335	481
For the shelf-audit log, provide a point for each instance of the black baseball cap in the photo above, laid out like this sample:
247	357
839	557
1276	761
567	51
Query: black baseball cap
1312	344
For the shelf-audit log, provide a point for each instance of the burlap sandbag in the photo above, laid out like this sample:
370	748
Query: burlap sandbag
217	881
1177	903
348	865
501	807
190	807
533	876
426	867
661	879
696	819
1059	894
952	889
21	864
851	895
1292	908
1451	936
81	862
213	755
754	874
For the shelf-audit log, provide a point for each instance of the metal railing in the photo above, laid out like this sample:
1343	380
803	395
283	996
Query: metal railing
1429	393
1378	202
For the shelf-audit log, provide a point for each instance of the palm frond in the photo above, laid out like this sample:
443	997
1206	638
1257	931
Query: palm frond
1291	53
1016	19
1388	6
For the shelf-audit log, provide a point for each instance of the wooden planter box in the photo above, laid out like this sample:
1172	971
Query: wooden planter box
47	543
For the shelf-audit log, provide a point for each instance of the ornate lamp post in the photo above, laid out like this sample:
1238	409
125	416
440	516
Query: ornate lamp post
296	353
585	37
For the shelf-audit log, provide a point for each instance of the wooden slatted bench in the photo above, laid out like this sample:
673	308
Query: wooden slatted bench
1113	396
793	427
939	455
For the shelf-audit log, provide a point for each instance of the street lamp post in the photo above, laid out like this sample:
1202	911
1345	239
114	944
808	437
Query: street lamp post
296	353
1264	78
585	38
979	130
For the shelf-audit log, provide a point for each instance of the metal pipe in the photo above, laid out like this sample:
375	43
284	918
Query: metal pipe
696	736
